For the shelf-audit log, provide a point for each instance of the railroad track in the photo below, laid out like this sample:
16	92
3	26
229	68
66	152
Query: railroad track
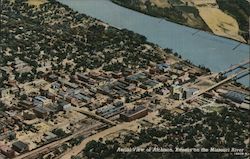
51	146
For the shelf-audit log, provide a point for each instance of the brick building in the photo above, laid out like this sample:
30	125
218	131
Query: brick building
135	113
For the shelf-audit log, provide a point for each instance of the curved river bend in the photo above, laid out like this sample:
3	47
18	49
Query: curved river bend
199	47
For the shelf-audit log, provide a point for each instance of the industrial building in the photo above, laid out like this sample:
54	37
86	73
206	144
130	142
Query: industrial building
189	92
20	146
41	101
63	105
41	112
177	92
136	78
135	113
151	84
235	96
110	110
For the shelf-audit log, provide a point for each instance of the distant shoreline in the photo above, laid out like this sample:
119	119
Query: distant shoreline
176	22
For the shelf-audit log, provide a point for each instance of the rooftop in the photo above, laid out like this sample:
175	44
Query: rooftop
41	109
135	110
20	145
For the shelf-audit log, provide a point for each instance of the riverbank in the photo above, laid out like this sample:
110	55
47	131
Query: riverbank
201	48
204	28
221	29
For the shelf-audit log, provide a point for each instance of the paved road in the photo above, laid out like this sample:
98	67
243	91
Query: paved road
77	149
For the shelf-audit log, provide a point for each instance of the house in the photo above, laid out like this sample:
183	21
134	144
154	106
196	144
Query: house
152	70
2	127
6	70
95	75
51	96
118	103
63	95
4	92
52	78
83	77
82	97
163	78
163	67
164	91
20	146
106	90
55	85
135	113
127	72
102	83
67	83
247	99
117	74
21	66
131	88
177	72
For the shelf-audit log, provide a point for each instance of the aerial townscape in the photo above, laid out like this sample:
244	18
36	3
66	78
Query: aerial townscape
75	87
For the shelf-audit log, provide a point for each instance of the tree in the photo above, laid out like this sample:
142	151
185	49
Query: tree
23	97
59	132
34	71
190	143
96	150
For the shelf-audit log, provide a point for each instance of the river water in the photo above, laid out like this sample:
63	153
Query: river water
200	47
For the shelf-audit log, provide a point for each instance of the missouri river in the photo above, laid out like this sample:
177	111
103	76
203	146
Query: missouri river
200	47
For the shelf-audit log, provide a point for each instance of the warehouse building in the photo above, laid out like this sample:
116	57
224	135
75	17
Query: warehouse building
20	146
41	101
235	96
133	114
189	92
